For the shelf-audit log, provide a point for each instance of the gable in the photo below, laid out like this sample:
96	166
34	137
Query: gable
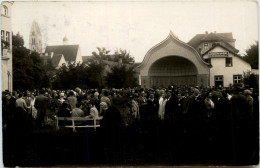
172	46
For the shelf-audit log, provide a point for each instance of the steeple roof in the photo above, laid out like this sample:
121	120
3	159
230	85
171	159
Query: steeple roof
35	28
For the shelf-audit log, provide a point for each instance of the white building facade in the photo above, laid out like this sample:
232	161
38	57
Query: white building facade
227	68
218	49
6	46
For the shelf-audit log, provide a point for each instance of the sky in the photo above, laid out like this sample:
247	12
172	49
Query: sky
135	26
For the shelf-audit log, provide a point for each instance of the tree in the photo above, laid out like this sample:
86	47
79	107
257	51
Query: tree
28	72
77	75
94	75
252	55
102	54
124	56
250	80
121	77
69	77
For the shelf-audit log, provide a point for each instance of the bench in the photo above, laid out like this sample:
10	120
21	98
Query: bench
88	123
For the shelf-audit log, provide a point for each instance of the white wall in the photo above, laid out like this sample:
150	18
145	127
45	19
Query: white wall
219	67
62	61
6	64
79	56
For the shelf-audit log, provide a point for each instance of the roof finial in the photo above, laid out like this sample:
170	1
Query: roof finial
65	40
172	34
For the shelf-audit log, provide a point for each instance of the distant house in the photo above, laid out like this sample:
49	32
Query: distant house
62	54
218	49
56	60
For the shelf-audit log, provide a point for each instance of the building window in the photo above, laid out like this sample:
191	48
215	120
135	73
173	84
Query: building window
8	36
237	79
208	60
219	80
2	34
206	45
33	41
5	10
229	62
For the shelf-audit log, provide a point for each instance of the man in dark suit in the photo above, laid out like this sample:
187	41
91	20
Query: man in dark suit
112	133
41	102
170	106
152	107
240	118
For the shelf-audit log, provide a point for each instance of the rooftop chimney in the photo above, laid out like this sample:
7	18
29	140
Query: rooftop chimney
206	32
215	32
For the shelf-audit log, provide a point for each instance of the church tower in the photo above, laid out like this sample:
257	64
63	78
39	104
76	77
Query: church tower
35	39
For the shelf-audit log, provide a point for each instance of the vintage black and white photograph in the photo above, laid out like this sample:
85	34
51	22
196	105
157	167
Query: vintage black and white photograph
158	83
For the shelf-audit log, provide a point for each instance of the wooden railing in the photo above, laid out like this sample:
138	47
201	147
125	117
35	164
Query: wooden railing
88	122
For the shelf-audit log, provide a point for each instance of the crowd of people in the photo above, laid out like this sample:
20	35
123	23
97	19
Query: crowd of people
201	115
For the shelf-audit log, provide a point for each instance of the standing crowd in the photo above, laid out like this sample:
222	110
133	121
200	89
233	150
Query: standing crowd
194	117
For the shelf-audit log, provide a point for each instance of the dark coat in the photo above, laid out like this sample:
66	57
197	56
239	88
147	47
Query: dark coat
41	103
152	108
171	108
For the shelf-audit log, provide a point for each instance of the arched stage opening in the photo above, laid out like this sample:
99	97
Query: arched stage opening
172	69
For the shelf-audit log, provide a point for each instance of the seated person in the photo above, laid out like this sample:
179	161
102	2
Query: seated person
77	112
64	110
93	110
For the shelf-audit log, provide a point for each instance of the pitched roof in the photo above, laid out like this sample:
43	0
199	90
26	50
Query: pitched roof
197	39
222	46
68	51
35	27
56	59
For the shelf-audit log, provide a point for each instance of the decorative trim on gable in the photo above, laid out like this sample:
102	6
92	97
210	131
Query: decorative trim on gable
171	36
